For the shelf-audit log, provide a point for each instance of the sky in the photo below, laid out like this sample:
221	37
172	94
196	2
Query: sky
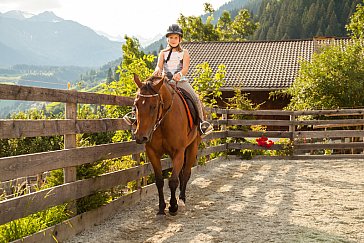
140	18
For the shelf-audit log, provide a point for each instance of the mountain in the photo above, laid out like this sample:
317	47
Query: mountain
46	39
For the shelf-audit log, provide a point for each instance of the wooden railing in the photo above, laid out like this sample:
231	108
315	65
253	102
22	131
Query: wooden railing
301	135
67	159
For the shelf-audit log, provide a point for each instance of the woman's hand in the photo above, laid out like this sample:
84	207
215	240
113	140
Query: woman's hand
157	72
177	76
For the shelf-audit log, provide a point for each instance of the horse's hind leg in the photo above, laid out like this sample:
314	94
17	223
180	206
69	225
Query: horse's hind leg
190	160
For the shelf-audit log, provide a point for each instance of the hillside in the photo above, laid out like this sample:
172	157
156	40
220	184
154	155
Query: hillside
46	39
302	19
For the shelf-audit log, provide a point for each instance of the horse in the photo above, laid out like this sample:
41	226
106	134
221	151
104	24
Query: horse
162	125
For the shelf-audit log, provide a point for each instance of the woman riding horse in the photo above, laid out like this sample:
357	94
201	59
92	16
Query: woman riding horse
162	124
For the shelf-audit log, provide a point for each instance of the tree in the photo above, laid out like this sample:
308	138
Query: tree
224	26
356	25
109	77
225	30
207	84
333	79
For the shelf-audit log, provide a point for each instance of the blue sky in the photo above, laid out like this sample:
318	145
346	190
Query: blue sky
143	18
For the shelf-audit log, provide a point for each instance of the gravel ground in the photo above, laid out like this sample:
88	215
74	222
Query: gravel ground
252	201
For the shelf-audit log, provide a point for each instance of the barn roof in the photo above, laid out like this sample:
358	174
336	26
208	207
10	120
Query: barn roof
256	65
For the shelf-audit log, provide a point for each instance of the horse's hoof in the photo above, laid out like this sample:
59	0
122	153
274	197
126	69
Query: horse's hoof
161	216
173	211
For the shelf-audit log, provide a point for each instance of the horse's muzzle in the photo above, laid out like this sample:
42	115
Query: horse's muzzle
141	140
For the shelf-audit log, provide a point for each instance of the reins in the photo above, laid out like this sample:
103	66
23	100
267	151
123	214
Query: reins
161	104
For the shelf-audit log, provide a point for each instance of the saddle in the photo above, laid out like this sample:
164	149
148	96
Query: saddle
190	106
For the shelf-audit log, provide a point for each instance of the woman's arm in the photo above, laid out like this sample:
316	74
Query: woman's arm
158	69
185	67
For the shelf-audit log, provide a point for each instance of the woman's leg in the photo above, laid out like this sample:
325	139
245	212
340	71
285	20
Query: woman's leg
205	127
187	86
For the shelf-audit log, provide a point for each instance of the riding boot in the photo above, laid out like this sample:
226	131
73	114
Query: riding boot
130	118
206	128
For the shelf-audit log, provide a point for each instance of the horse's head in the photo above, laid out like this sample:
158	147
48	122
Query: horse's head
148	104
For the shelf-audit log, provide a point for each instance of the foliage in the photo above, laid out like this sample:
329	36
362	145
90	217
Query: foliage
240	101
332	79
207	84
226	29
33	223
18	146
356	25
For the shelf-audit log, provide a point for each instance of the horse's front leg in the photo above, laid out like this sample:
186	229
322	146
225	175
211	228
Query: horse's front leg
159	181
177	162
190	160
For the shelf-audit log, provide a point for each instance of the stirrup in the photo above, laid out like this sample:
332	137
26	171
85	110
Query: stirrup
206	128
129	118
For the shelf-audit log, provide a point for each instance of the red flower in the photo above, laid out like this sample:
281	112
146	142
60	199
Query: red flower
264	142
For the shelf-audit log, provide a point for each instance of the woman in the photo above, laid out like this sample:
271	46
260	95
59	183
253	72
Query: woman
174	62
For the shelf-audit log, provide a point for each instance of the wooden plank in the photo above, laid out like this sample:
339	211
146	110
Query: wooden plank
250	112
210	150
70	142
31	164
37	201
17	92
35	128
231	122
328	157
268	134
342	122
254	146
342	112
22	206
260	112
84	221
331	126
215	135
328	134
310	146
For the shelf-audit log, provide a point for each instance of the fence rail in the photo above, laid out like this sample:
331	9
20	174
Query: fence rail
335	131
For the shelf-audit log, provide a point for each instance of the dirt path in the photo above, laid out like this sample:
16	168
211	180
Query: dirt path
253	201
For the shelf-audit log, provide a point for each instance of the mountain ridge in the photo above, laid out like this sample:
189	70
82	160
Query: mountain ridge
46	39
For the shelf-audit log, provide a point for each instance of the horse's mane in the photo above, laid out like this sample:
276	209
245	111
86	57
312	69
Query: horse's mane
149	84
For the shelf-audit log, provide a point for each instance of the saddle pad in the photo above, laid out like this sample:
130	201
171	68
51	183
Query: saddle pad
191	115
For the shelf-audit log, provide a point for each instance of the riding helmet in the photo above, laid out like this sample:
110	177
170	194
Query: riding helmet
174	29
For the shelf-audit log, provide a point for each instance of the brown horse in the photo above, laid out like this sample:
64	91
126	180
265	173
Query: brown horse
162	124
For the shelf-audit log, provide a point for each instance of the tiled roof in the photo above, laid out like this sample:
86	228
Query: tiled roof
251	65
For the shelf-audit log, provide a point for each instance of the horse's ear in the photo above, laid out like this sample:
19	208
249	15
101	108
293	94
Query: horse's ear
137	81
159	84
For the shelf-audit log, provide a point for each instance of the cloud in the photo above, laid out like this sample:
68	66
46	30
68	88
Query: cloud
30	5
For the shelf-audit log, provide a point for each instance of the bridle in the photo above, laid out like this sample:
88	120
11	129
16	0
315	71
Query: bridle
161	117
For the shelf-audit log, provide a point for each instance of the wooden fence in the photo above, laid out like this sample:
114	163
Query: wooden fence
306	138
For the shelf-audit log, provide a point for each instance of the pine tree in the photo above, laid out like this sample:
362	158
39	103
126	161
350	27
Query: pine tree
110	76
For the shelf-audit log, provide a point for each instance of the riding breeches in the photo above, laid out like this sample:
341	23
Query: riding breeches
184	84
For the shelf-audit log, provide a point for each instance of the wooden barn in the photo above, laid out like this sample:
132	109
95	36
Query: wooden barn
257	67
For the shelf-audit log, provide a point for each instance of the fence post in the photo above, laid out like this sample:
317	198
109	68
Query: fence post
292	129
224	118
70	173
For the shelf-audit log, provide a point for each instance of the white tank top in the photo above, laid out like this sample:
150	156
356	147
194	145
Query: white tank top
175	63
